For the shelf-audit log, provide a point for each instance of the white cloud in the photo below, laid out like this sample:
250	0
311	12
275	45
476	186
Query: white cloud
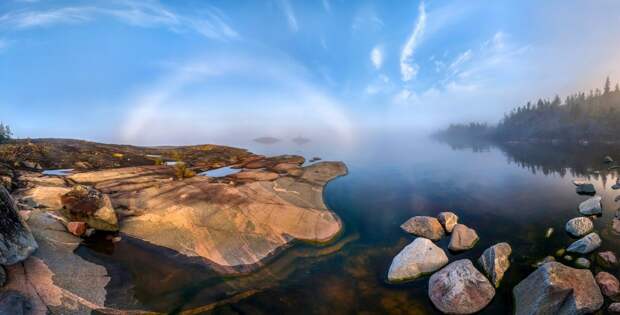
290	15
460	60
408	68
212	25
376	57
327	6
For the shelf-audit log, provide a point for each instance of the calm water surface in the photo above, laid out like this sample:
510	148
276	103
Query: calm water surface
511	193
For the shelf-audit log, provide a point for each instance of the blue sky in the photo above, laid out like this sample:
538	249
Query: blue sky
164	72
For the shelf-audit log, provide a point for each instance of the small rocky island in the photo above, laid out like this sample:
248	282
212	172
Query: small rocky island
160	196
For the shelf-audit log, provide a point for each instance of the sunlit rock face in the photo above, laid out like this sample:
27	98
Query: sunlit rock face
236	225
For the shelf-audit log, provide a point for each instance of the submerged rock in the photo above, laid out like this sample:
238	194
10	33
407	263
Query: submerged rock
463	238
586	244
448	220
582	263
610	286
557	289
579	226
459	288
86	204
606	259
420	257
614	308
16	239
544	261
608	159
549	232
495	261
585	189
427	227
592	206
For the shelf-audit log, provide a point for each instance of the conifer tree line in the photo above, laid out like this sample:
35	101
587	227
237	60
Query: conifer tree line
5	132
592	116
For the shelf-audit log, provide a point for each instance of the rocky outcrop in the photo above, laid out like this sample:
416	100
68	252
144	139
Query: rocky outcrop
610	286
420	257
495	261
579	226
592	206
586	244
85	204
557	289
459	288
448	220
423	226
463	238
234	227
16	240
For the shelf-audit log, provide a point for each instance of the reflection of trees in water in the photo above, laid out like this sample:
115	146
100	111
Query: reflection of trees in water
552	158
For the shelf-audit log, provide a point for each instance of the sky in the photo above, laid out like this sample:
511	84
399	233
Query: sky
183	72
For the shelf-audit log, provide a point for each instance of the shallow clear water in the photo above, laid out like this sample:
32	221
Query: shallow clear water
511	193
58	172
220	172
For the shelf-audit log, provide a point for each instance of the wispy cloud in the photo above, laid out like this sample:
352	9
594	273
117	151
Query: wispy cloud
376	57
290	15
213	24
408	68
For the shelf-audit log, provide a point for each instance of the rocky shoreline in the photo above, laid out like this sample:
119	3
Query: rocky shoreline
232	224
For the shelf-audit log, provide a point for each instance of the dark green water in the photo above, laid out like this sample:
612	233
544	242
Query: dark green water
511	193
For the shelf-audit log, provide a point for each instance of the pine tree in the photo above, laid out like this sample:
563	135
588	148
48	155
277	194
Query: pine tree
607	86
617	89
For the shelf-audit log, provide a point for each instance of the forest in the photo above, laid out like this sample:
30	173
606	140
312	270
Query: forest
592	117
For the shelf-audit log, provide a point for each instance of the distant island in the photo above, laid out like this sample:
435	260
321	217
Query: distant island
580	118
267	140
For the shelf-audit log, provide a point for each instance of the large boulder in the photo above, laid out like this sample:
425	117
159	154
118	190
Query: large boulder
16	240
448	220
610	286
557	289
459	288
585	189
586	244
420	257
86	204
495	261
463	238
579	226
591	206
427	227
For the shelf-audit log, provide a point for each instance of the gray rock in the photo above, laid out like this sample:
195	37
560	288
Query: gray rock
16	240
614	308
459	288
463	238
495	261
582	263
585	189
14	303
586	244
606	259
579	226
448	220
557	289
427	227
608	159
420	257
591	206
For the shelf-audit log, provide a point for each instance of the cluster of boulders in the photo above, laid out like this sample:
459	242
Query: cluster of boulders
555	288
459	287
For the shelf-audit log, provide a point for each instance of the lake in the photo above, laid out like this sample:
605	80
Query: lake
510	193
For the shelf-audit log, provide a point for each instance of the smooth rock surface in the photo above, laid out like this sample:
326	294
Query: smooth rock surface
463	238
420	257
557	289
592	206
423	226
586	244
233	227
459	288
448	220
610	286
495	261
579	226
16	239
